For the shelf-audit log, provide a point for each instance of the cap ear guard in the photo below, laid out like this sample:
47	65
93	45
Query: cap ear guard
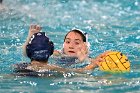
52	47
88	44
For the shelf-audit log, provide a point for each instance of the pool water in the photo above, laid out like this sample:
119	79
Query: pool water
110	24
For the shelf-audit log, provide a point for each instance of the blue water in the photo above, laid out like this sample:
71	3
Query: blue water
111	25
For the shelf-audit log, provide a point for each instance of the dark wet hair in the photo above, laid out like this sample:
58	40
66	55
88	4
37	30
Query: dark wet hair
83	35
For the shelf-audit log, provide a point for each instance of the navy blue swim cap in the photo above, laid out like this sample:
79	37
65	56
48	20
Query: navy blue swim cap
39	47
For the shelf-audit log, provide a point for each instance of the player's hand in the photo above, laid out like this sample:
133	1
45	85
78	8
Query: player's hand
100	58
34	29
82	52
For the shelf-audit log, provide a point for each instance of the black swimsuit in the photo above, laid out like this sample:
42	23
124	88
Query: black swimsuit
21	70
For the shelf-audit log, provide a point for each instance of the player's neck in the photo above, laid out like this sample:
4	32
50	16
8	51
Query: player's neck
34	62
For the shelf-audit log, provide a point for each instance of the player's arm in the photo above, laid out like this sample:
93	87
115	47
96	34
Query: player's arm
33	29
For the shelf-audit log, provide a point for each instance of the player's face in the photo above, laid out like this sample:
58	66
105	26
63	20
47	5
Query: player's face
72	43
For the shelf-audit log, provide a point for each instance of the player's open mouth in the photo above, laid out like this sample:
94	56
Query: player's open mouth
71	51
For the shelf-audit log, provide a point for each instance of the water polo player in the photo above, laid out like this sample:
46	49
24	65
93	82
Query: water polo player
39	49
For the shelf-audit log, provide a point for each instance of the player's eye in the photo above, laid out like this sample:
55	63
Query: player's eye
67	42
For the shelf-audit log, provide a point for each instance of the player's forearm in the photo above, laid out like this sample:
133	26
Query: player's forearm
25	44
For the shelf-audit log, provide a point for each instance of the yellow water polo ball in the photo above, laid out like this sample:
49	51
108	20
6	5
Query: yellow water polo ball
115	62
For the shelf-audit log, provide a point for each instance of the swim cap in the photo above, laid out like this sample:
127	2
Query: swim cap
39	47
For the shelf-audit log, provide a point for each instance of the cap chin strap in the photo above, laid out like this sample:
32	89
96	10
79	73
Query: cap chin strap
63	49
